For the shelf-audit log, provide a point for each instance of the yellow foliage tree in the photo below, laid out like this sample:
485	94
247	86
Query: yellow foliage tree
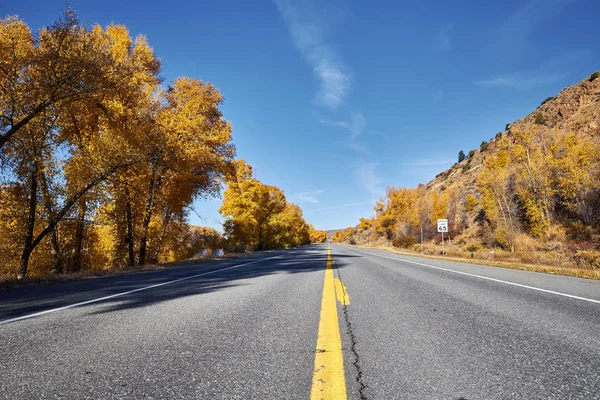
497	197
258	215
316	236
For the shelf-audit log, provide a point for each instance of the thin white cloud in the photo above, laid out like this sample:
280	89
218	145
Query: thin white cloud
368	179
308	197
376	133
425	163
443	37
359	148
356	126
308	36
344	205
520	81
548	72
339	124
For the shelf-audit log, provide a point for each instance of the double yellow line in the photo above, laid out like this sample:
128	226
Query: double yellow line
328	381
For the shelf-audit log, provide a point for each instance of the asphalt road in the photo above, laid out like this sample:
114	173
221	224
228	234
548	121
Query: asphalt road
247	328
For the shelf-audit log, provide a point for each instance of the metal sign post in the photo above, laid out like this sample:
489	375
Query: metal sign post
443	252
443	227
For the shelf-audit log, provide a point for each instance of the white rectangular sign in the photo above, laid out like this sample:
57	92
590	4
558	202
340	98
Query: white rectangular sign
442	225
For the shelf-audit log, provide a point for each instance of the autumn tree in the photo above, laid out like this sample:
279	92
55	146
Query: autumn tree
248	206
497	196
316	236
287	228
94	151
534	179
364	224
60	66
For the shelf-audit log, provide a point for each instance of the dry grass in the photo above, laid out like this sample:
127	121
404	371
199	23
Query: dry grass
8	281
506	260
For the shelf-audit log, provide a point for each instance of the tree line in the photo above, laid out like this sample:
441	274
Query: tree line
101	161
538	183
258	216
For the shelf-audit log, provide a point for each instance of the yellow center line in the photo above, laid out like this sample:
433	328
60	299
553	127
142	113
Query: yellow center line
340	292
328	381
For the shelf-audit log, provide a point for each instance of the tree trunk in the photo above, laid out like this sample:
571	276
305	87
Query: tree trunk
129	238
166	220
259	247
28	241
79	235
154	183
72	200
54	244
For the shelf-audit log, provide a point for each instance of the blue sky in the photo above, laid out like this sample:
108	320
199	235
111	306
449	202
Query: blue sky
332	101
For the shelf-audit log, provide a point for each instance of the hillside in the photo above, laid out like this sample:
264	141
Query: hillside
531	194
576	108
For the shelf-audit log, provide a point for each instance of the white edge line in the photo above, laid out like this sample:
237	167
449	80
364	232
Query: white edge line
37	314
485	277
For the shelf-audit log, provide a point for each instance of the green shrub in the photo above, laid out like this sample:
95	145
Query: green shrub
547	100
539	119
471	153
594	75
498	135
483	146
507	127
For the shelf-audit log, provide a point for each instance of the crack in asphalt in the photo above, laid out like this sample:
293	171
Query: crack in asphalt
356	362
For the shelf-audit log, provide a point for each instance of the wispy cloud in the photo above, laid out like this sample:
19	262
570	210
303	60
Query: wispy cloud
547	72
344	205
307	33
367	178
376	133
356	126
442	39
425	163
308	197
359	148
520	81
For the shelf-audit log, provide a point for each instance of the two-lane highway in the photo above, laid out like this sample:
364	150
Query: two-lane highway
320	321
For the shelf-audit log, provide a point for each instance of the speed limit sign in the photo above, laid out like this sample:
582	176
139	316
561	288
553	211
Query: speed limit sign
442	225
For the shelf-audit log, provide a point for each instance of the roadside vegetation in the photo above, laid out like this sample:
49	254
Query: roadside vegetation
530	198
258	216
101	161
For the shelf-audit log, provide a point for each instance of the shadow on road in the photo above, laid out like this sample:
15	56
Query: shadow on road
25	301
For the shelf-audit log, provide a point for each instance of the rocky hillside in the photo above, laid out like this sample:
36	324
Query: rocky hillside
576	108
531	194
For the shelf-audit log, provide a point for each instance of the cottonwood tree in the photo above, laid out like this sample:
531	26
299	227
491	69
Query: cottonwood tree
496	186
